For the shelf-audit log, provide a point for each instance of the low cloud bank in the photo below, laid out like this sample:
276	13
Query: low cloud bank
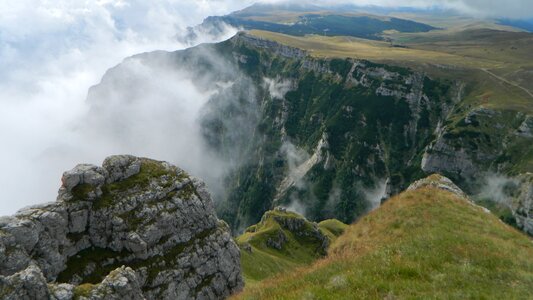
47	66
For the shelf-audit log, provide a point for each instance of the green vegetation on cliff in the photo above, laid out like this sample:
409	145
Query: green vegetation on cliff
423	243
283	241
363	26
336	135
367	123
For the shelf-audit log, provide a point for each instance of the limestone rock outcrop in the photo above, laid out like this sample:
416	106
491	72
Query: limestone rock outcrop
280	223
439	182
134	228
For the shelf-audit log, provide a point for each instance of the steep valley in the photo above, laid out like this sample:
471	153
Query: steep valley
336	136
429	241
309	150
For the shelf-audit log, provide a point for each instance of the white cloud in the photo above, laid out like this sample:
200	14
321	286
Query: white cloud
51	52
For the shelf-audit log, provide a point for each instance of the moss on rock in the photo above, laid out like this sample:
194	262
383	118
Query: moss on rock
281	241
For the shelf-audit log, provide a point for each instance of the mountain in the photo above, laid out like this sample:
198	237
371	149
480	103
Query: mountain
414	127
339	135
363	131
134	228
522	24
302	20
282	241
430	241
137	228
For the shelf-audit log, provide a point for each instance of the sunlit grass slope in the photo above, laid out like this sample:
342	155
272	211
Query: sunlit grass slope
495	65
282	241
427	243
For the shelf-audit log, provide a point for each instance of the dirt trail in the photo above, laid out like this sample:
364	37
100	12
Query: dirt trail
507	81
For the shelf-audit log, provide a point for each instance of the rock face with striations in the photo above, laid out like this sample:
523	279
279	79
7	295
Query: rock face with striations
439	182
132	229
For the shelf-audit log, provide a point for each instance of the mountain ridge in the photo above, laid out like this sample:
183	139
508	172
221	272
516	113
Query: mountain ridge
429	241
305	20
282	241
288	102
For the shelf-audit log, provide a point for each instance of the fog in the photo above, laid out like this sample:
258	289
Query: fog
152	109
498	188
278	87
374	196
52	52
298	164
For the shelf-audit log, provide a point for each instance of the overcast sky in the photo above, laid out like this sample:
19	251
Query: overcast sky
51	52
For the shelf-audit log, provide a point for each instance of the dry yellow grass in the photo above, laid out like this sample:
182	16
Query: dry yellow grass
426	243
322	46
444	55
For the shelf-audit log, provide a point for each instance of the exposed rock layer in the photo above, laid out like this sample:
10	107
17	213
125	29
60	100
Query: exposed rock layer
132	229
438	135
439	182
363	125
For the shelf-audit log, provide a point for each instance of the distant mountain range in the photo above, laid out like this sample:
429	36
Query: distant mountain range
302	20
526	24
364	157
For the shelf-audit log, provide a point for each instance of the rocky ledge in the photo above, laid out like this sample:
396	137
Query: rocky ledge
439	182
280	229
134	228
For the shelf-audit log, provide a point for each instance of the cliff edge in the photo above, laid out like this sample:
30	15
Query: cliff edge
134	228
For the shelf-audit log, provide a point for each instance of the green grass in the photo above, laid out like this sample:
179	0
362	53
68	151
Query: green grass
451	54
334	25
81	192
150	170
261	264
77	264
332	227
303	246
379	51
422	244
83	291
500	210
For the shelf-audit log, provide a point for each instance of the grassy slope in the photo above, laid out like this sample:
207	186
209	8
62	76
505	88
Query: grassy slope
264	261
453	21
299	21
426	243
446	54
338	110
496	67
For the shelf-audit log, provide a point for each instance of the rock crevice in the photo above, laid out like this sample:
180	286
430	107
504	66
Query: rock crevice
134	228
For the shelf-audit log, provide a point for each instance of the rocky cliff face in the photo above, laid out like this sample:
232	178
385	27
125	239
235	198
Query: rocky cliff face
438	182
132	229
479	143
362	128
283	240
333	135
409	126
